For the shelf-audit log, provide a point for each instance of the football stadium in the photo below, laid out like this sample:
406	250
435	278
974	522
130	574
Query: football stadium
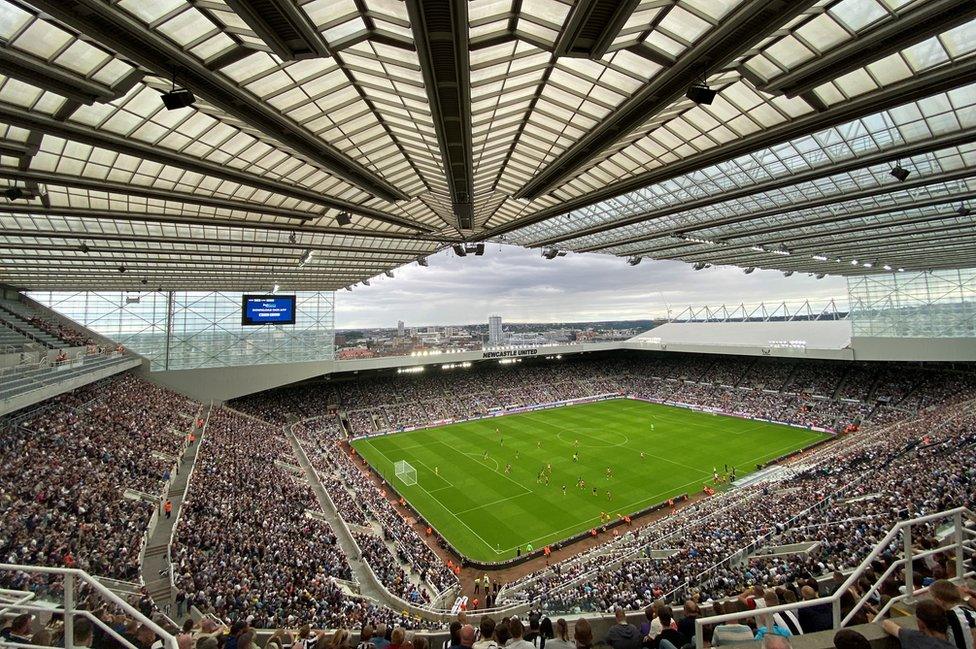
218	431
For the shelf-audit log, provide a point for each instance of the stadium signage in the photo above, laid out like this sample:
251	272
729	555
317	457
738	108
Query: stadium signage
510	352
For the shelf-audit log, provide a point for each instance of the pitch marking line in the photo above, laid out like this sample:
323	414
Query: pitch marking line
515	482
436	500
436	474
495	502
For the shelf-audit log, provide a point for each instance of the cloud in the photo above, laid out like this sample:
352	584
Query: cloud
519	285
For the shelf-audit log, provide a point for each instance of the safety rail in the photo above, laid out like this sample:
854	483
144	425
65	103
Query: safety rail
959	545
71	580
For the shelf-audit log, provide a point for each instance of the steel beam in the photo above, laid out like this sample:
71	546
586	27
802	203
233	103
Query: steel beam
440	30
918	87
900	152
74	235
959	174
130	38
748	23
78	132
911	27
215	221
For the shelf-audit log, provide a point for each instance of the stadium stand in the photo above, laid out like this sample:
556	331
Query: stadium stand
83	474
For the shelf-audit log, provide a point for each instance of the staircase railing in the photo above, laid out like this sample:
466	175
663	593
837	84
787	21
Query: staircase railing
72	579
960	544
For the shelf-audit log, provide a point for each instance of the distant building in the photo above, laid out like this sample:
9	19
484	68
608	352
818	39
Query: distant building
400	329
355	352
495	336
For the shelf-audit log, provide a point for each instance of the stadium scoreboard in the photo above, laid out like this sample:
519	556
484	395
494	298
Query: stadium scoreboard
268	309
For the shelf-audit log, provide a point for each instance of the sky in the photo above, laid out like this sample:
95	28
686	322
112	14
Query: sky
519	285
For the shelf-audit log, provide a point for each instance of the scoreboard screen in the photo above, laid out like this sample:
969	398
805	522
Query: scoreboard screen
268	309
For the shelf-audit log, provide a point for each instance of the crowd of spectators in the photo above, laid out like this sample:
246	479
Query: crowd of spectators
822	394
844	497
246	550
360	499
66	465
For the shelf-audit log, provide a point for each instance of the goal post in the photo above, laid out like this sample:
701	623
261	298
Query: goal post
405	472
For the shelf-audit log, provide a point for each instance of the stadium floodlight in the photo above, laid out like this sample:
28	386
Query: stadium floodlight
84	248
121	269
460	250
887	267
292	237
749	270
820	275
422	261
14	193
343	219
305	258
348	288
549	253
365	282
820	257
274	289
901	270
405	472
854	262
701	265
787	273
633	261
868	264
900	173
388	273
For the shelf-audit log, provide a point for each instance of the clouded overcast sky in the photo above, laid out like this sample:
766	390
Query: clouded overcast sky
519	285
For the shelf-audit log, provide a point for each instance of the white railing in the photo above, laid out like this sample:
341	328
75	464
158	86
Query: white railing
959	545
72	579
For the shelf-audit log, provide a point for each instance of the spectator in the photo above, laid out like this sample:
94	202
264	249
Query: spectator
486	631
399	638
932	628
960	618
84	632
669	635
467	636
364	637
583	634
850	639
686	625
184	640
622	634
19	629
454	635
732	631
560	639
818	617
516	630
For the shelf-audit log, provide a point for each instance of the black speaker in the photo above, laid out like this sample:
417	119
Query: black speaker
175	99
700	94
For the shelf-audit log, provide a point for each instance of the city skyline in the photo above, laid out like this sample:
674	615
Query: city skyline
520	286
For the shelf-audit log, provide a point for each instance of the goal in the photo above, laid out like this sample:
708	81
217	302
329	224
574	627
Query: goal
406	472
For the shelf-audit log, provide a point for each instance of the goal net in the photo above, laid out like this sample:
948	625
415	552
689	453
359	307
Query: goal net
406	473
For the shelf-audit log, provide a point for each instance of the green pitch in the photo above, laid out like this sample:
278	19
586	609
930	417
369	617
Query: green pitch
487	513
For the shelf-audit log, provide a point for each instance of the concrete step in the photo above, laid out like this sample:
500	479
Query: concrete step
156	550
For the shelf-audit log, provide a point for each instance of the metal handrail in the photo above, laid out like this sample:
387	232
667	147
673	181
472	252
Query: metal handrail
69	577
903	528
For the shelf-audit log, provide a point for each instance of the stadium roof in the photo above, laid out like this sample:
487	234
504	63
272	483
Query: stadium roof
331	140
